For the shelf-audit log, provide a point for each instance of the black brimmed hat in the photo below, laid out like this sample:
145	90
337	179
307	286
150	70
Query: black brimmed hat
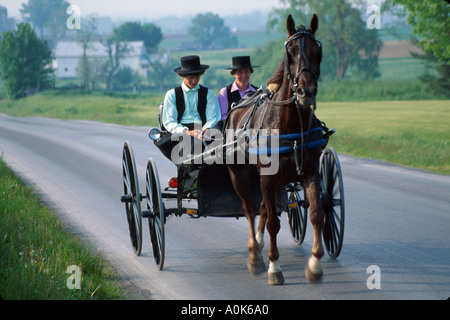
241	62
190	65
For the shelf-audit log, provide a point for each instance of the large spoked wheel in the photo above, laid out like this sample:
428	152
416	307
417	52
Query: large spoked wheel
332	197
155	213
297	213
132	198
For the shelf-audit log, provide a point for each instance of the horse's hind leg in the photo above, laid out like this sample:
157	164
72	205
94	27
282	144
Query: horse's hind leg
313	269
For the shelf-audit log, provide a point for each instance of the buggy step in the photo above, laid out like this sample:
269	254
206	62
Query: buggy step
147	213
128	198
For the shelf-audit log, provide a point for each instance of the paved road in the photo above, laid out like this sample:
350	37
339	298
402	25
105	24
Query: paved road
397	219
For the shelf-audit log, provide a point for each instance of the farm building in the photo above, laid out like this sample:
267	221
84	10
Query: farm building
67	57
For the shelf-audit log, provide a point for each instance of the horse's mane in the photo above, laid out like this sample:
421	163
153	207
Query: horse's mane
274	83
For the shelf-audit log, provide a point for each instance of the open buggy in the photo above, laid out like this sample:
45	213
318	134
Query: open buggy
204	189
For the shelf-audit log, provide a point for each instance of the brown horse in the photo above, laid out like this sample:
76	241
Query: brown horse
294	86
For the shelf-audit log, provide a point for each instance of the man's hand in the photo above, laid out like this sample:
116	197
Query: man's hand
196	133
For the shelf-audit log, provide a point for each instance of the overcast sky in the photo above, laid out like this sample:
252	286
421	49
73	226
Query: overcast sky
151	9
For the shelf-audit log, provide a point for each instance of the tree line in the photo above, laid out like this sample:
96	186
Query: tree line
48	18
25	59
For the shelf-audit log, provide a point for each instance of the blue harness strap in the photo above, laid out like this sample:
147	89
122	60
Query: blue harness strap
290	148
284	150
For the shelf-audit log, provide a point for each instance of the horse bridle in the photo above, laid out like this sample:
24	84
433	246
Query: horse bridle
300	37
299	91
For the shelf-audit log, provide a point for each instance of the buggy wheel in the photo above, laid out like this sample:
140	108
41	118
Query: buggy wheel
332	198
297	213
132	198
155	213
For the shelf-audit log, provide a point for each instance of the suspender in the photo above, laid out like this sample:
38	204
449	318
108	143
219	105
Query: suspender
201	107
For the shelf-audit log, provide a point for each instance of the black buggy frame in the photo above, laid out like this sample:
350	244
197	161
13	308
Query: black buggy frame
204	190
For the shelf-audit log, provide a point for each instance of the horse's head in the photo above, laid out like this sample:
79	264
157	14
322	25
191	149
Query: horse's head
303	55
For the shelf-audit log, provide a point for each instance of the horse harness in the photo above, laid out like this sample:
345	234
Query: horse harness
298	142
235	96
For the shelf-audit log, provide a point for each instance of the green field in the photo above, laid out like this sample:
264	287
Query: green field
410	133
111	108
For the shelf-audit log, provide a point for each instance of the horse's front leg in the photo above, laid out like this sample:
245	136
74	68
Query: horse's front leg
313	269
275	274
240	180
262	225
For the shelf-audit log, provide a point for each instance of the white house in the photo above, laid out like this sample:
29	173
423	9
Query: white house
67	56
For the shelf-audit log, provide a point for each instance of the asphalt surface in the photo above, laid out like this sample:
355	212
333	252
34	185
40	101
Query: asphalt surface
397	232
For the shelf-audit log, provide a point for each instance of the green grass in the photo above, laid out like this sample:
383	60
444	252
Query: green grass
387	90
35	251
403	68
111	108
410	133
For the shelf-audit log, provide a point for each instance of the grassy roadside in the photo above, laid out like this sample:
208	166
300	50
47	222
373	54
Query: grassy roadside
78	105
36	251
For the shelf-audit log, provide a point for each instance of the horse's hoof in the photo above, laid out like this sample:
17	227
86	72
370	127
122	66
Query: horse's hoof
260	267
311	276
276	278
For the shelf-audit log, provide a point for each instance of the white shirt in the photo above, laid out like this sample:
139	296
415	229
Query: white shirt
191	115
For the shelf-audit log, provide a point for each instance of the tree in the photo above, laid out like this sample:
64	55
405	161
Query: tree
267	57
210	30
345	37
134	31
25	61
430	24
161	71
115	51
46	14
86	37
123	78
430	21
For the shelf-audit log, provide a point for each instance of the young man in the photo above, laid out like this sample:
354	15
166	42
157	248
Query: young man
198	106
241	70
190	108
